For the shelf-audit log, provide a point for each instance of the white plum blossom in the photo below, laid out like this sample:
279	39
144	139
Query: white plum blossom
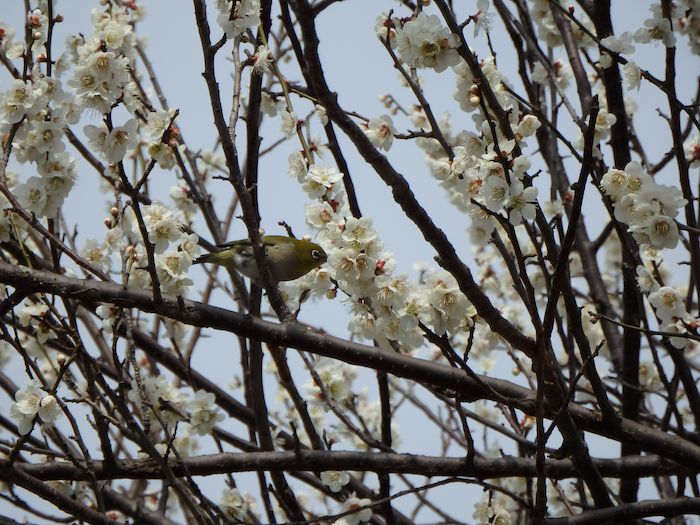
336	379
358	233
160	395
646	280
380	132
237	16
184	443
528	125
483	19
262	59
33	195
353	503
204	413
662	232
335	480
156	124
620	45
521	203
632	75
97	253
496	192
648	208
17	101
234	504
668	304
321	114
321	180
31	402
656	28
491	510
288	123
113	144
163	224
424	43
172	267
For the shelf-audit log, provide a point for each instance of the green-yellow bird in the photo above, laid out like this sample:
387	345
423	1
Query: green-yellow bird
288	258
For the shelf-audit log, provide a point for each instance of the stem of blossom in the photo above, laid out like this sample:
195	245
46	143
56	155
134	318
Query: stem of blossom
288	101
435	130
330	131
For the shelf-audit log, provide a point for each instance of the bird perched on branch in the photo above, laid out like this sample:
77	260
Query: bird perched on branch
288	258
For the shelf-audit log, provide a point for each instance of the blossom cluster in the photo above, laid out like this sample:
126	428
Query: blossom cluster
155	394
387	308
645	206
237	16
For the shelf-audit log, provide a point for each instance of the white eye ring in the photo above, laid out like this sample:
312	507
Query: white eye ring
315	254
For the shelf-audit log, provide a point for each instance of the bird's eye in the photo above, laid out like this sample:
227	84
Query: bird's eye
315	254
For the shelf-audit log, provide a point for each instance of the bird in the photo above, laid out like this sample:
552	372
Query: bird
288	258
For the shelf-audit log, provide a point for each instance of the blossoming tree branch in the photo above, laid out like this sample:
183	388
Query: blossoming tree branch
541	367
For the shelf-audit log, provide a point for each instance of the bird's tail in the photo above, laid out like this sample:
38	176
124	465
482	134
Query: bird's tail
206	258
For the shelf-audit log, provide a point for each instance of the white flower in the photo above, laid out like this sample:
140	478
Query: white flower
528	125
668	199
637	179
157	123
521	203
321	180
321	114
163	154
668	304
482	19
38	23
288	123
646	280
32	195
172	269
162	232
262	59
496	192
184	443
657	28
380	132
424	43
123	138
114	144
319	215
166	398
204	413
632	74
358	233
561	70
482	512
662	232
115	34
97	254
233	504
676	328
270	106
30	402
237	16
353	503
334	479
621	45
17	101
614	184
385	28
